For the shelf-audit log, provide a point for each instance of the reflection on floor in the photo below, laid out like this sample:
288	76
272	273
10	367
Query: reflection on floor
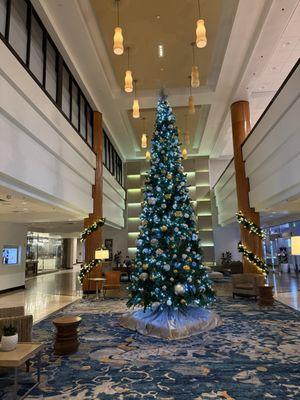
48	293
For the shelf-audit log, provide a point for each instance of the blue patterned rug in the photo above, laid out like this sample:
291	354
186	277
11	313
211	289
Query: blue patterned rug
254	355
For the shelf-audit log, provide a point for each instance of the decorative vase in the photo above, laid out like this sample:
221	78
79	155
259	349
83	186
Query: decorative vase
9	343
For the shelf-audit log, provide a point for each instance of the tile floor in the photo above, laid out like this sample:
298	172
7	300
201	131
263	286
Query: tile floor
48	293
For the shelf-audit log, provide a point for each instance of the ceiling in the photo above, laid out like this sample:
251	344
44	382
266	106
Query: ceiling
147	24
193	124
16	207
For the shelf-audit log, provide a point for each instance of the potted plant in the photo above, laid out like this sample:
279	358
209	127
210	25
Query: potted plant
9	338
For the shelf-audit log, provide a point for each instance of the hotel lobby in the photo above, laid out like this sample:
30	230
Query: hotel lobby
150	199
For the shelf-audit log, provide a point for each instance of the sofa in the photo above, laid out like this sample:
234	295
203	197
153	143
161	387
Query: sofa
246	284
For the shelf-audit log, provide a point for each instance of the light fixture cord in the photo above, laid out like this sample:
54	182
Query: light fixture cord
118	13
199	9
193	49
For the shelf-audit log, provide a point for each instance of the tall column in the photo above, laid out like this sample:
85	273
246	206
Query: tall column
240	118
94	240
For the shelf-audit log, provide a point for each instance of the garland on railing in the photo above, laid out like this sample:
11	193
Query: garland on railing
253	258
92	228
249	225
85	269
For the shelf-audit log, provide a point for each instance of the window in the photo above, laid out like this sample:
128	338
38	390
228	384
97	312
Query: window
75	107
112	160
51	70
18	28
66	95
36	62
25	35
82	116
3	13
89	115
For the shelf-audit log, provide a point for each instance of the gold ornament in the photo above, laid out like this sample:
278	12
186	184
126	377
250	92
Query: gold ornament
164	228
167	196
145	266
189	259
169	176
182	301
175	271
186	267
178	214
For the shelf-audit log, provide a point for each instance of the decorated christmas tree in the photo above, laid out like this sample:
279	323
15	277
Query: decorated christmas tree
168	265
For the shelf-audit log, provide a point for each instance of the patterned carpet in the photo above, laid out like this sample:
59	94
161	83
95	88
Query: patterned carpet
254	355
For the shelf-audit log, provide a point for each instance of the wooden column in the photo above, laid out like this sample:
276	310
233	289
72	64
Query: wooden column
94	240
240	118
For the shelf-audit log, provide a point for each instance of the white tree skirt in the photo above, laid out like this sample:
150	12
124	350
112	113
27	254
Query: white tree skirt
168	323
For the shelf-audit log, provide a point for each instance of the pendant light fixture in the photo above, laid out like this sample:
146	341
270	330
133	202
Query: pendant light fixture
148	155
128	87
195	81
186	132
136	106
184	153
201	39
144	136
118	36
191	104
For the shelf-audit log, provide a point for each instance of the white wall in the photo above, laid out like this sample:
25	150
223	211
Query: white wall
272	151
12	276
226	238
119	237
114	197
226	197
216	168
40	152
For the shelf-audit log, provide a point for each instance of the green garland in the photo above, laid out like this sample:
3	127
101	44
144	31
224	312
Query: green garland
253	258
249	225
85	269
92	228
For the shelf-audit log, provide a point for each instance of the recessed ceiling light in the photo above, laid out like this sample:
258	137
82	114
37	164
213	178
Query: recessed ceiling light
158	17
160	51
162	69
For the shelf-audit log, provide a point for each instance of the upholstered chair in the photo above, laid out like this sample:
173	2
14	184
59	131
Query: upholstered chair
15	316
247	284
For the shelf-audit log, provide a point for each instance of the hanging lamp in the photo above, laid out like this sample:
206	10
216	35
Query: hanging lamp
128	87
191	104
118	36
195	81
186	132
144	136
136	106
148	155
201	39
184	153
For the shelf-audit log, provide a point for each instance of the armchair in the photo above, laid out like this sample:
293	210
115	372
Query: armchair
247	284
15	316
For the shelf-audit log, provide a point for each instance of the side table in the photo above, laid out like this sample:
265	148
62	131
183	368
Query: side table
97	280
16	358
66	340
265	294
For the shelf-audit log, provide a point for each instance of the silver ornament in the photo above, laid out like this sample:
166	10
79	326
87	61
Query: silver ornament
179	289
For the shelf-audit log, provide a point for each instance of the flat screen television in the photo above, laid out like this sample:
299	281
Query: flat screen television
10	255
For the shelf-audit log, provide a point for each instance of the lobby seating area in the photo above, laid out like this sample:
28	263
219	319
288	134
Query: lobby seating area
149	200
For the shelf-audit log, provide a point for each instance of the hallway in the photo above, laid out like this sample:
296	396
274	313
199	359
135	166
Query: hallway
48	293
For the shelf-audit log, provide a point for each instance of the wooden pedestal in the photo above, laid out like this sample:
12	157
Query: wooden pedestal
265	296
66	340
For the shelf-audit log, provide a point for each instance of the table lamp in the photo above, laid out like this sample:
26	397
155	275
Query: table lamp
295	249
101	254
